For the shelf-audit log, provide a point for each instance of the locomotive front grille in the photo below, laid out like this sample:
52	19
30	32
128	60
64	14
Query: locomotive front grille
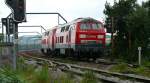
91	42
88	47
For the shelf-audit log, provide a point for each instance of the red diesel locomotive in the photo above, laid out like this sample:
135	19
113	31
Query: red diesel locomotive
83	37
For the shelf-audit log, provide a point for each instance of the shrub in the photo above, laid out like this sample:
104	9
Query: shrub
89	77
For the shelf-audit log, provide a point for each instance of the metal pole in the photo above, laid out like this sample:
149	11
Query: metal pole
58	19
32	32
62	17
112	38
41	30
9	15
8	32
51	13
139	55
34	26
14	49
3	31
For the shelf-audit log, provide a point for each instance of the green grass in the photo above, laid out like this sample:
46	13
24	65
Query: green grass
42	75
21	74
9	76
121	68
89	77
144	71
124	68
146	63
63	79
31	74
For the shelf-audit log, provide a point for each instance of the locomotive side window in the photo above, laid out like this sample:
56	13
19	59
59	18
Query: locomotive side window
71	27
61	39
67	28
46	33
57	39
67	38
62	29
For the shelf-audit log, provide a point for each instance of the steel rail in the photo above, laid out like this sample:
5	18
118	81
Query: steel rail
68	68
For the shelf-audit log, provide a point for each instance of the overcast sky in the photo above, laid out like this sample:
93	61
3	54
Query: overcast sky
69	9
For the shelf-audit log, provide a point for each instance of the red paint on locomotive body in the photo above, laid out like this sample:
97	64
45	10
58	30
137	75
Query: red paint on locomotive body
81	33
90	33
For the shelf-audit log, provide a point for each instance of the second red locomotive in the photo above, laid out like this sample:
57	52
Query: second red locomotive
83	37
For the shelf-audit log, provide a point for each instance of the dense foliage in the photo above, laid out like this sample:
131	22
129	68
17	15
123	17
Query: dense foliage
132	26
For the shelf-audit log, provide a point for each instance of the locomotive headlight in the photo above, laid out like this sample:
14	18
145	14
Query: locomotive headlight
83	41
100	41
82	36
100	36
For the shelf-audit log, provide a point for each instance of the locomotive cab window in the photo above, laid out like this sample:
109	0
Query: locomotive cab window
84	26
96	26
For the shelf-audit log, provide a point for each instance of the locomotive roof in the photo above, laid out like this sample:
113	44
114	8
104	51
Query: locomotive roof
85	20
88	19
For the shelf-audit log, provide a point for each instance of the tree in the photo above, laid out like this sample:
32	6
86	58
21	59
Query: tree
120	11
132	24
138	28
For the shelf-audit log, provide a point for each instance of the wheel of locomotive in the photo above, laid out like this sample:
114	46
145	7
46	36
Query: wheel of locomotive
52	53
49	52
95	55
75	54
42	50
68	53
78	55
57	52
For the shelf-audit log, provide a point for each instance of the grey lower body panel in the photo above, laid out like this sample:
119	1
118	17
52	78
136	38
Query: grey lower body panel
89	48
82	47
80	50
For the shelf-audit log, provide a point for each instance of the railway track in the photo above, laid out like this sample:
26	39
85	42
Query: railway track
102	75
